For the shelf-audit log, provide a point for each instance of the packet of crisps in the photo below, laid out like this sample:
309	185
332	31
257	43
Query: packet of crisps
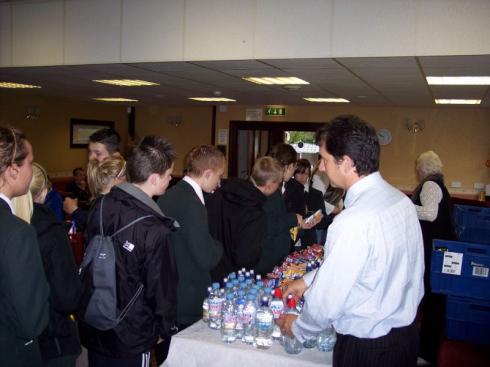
294	233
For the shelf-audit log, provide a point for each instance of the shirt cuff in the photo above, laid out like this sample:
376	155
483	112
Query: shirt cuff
308	277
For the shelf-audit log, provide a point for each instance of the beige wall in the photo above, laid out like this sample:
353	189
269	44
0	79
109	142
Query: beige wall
194	129
50	133
461	137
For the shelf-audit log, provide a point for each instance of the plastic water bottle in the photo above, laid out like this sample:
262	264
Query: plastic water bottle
240	317
277	308
215	303
205	306
326	339
291	344
249	313
264	321
228	320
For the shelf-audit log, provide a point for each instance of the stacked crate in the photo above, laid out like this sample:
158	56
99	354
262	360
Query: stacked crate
460	269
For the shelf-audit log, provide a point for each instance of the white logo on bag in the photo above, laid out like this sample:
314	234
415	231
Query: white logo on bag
128	246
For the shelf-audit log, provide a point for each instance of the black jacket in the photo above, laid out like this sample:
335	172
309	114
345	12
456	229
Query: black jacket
275	246
195	250
236	218
60	338
151	262
24	292
314	202
294	197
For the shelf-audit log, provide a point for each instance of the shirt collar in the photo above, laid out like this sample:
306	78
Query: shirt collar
364	184
8	201
196	188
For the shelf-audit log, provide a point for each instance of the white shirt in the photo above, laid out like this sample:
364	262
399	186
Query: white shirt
8	201
430	197
372	277
196	188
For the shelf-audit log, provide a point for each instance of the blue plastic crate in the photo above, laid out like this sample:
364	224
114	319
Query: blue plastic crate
466	216
477	234
473	281
468	319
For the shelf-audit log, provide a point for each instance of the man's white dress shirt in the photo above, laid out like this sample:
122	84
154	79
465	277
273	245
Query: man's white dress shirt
371	279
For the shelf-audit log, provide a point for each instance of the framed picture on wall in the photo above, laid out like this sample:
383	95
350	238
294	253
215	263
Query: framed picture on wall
80	131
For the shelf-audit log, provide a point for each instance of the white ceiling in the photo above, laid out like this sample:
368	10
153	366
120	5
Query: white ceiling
374	81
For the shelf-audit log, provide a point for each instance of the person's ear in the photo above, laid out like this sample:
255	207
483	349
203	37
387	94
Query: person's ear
153	179
347	165
13	171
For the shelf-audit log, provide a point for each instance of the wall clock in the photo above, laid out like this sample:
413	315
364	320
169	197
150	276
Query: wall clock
384	136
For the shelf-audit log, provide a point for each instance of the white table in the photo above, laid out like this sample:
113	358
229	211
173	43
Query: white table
198	345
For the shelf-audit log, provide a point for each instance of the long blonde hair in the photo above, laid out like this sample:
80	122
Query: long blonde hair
24	204
101	176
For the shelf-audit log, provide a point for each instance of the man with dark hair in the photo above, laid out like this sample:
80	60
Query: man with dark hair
236	217
78	188
144	255
371	281
103	143
195	250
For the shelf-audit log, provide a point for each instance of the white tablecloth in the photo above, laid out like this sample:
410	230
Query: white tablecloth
200	346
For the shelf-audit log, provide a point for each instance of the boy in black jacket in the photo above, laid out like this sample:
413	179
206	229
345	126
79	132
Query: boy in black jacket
144	255
236	217
195	250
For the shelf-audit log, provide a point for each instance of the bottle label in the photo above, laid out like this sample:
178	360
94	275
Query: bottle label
229	321
277	308
264	321
214	308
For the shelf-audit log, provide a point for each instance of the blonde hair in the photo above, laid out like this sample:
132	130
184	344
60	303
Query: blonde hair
101	176
24	204
266	169
428	163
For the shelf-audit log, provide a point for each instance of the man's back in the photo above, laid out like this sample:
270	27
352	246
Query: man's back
196	251
144	255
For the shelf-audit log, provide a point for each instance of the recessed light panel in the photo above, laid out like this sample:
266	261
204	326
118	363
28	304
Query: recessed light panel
458	101
17	85
280	80
458	80
115	99
327	100
126	82
212	99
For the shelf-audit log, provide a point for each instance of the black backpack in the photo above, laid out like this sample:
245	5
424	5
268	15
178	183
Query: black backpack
99	303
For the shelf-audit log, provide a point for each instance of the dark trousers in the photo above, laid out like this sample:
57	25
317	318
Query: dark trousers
432	328
98	360
399	348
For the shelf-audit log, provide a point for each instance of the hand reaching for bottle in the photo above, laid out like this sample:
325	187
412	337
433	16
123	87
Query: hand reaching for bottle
296	288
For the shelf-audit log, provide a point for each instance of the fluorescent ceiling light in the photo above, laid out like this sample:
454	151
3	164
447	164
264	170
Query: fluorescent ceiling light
17	85
212	99
327	100
125	82
280	80
458	80
458	101
115	99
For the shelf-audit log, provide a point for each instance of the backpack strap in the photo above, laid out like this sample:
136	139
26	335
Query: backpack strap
130	224
101	224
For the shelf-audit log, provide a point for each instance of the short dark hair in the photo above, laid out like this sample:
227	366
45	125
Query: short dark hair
349	135
204	157
78	169
302	166
152	155
108	137
13	148
284	153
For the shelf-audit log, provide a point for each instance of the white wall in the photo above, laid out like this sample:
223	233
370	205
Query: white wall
58	32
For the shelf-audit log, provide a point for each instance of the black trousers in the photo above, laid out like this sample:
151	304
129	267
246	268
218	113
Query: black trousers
98	360
399	348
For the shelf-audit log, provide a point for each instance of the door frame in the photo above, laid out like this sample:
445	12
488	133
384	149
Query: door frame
236	125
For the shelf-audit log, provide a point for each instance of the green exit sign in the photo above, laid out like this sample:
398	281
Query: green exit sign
275	111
